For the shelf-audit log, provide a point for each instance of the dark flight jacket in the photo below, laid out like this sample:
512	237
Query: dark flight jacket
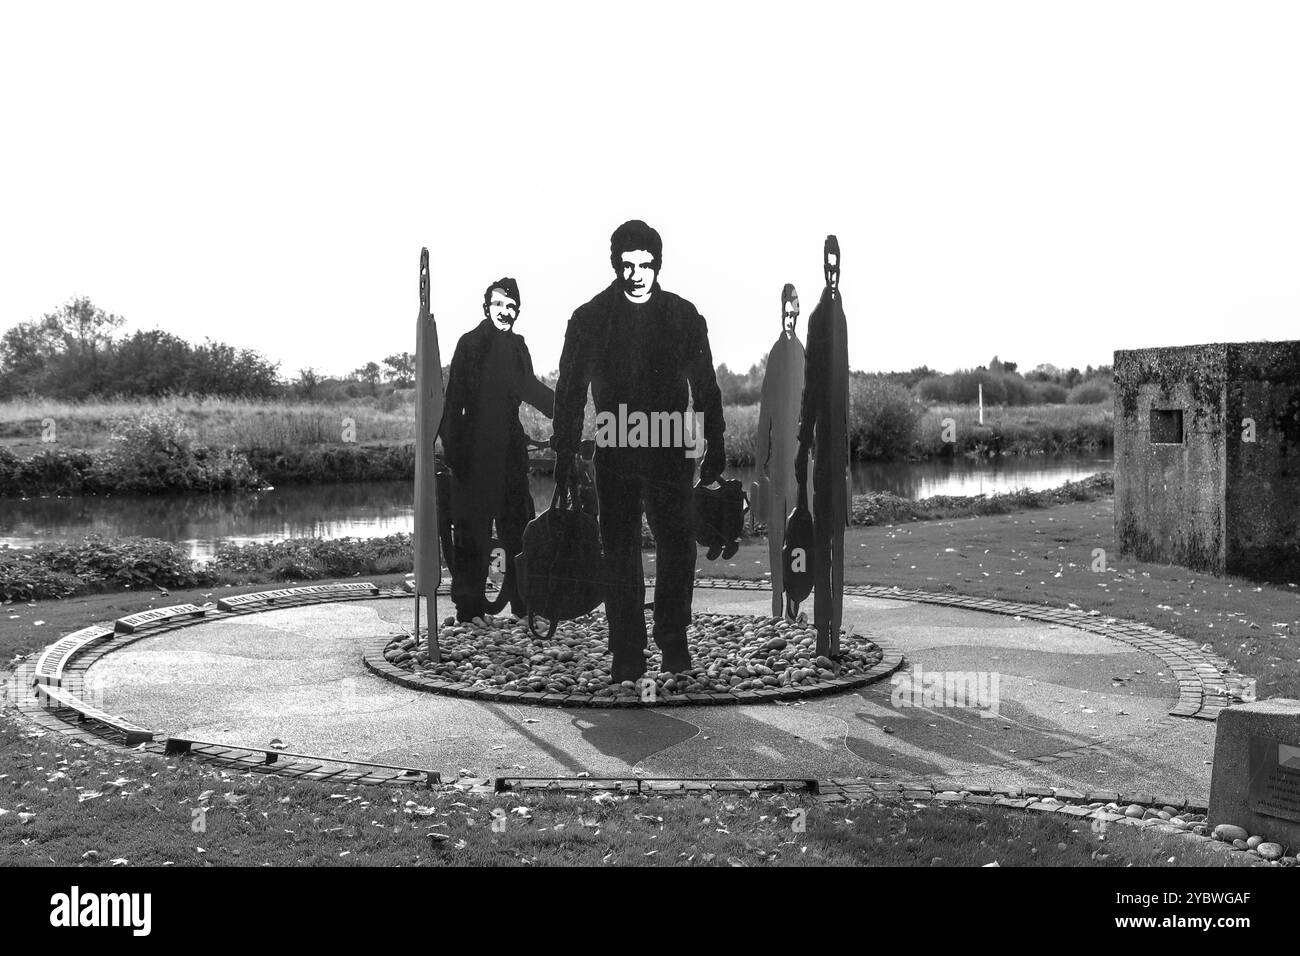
647	358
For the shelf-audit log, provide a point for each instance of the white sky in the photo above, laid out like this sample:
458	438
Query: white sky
1044	181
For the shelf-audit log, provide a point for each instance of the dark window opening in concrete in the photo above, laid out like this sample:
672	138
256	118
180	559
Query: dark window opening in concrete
1166	426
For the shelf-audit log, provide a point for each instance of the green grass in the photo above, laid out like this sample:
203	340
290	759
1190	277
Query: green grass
90	806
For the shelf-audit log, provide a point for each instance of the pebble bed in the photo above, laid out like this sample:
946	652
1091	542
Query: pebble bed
729	652
1196	823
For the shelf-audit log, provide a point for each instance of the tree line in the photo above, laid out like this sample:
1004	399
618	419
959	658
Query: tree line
76	353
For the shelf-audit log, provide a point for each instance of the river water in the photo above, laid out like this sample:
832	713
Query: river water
374	509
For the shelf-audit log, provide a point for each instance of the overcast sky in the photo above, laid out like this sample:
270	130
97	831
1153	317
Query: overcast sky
1044	181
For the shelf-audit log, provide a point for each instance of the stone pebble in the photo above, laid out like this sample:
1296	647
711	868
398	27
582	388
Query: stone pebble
1230	833
729	652
1269	851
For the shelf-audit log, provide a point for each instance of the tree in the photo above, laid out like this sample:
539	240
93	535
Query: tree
60	353
308	382
400	369
26	351
87	332
368	373
150	362
219	369
72	354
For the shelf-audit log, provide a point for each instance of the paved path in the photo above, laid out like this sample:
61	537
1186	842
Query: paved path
296	674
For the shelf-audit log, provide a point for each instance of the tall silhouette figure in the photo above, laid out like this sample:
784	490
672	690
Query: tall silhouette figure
778	427
491	373
824	430
642	350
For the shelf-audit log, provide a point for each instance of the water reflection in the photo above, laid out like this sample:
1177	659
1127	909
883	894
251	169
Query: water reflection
373	509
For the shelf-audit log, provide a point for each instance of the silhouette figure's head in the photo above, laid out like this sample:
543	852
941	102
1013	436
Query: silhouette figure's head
636	253
501	303
789	309
831	263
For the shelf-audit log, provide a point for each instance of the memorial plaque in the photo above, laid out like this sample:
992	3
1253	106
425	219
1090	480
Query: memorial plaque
1274	787
49	668
351	587
133	622
240	600
315	590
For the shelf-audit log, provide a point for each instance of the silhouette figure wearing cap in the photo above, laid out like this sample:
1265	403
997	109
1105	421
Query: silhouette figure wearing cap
824	430
491	373
647	349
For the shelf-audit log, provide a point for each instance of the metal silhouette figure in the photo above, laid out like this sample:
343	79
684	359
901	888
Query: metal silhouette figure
778	428
643	348
487	453
824	431
429	498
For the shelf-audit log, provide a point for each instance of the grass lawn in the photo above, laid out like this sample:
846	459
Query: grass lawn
66	804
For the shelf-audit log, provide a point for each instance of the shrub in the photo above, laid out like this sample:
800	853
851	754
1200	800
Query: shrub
156	452
963	387
309	558
883	417
52	471
24	577
95	564
1093	392
1049	393
121	563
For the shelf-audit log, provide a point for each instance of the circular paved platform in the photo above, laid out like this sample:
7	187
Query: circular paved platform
1072	707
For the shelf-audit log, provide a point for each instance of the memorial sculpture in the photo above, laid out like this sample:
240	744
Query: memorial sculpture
643	351
486	450
776	442
823	432
428	497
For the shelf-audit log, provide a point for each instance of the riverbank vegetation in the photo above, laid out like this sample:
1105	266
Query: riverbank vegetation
217	444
